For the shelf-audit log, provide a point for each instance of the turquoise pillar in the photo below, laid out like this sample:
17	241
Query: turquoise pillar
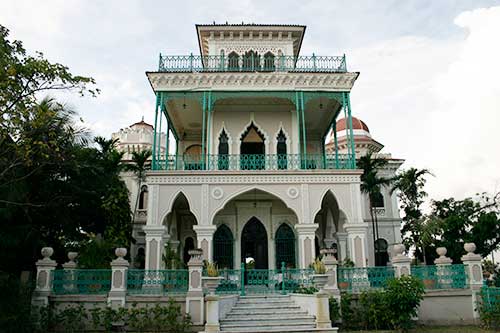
353	151
153	162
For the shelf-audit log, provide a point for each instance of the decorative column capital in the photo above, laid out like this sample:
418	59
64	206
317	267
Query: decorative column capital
443	259
400	261
306	228
473	267
71	264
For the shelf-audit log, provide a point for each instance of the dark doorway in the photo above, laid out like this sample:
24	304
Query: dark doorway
254	245
188	245
223	162
281	150
381	254
285	246
223	247
252	149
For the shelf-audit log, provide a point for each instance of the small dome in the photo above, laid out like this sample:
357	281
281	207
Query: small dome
142	123
357	124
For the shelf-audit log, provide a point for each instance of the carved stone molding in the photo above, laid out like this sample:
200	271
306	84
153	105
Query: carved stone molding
252	81
217	193
293	192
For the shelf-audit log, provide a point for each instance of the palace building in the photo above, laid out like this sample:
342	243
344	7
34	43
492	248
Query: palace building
259	160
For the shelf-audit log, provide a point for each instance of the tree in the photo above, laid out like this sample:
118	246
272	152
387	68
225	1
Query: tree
139	166
410	186
471	220
371	184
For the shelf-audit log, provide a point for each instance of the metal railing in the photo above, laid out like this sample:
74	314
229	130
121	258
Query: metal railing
441	277
157	282
255	162
363	278
220	63
81	281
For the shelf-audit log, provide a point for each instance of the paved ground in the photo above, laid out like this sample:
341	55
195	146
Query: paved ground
447	329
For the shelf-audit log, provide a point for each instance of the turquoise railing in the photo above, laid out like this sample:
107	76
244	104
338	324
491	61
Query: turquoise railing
255	162
364	278
81	281
157	282
490	298
219	63
441	277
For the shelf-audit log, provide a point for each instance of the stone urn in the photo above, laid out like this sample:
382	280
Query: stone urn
319	280
211	283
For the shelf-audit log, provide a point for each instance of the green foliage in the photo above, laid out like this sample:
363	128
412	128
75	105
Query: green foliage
72	318
489	307
491	273
14	305
373	306
346	263
403	296
96	253
318	266
172	258
351	316
334	309
305	290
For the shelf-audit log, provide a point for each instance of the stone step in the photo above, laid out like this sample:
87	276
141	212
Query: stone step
263	300
277	311
265	327
270	296
287	329
281	317
289	305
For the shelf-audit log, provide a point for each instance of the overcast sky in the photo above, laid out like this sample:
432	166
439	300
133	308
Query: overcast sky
429	87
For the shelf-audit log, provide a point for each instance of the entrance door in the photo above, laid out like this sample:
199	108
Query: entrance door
254	245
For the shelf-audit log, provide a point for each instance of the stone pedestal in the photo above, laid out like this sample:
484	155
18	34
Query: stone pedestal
443	268
70	273
331	286
44	278
212	302
322	310
194	297
119	267
400	262
474	271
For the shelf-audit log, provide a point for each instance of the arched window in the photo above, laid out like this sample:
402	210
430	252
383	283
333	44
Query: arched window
143	198
381	254
251	61
269	64
281	150
378	200
285	246
252	149
223	247
223	162
233	60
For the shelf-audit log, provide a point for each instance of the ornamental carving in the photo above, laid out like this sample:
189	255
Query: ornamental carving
217	193
292	192
254	80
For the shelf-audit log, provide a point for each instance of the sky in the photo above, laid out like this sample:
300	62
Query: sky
428	88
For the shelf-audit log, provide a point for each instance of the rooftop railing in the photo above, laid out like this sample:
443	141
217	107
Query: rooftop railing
255	162
220	63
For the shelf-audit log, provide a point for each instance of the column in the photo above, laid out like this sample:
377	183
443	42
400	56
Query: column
156	238
322	310
205	235
474	271
44	278
305	237
119	268
70	272
356	242
400	261
331	263
343	253
443	270
194	297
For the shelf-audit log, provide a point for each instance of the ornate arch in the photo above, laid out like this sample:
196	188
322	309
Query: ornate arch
259	130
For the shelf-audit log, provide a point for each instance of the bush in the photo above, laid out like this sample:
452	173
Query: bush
403	296
334	308
374	310
15	305
489	307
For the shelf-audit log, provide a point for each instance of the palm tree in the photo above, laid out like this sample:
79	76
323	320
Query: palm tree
371	184
410	185
139	166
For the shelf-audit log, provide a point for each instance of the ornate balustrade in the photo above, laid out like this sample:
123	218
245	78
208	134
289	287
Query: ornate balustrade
441	277
81	281
158	282
219	63
255	162
356	279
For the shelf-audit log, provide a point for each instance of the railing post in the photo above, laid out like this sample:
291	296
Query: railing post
322	310
191	62
44	278
443	268
314	62
70	271
331	264
194	297
401	262
474	271
242	278
283	277
119	268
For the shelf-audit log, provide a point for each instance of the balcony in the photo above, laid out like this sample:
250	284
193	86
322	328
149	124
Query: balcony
252	162
220	63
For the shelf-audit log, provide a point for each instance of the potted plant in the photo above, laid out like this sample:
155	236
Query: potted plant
346	263
212	280
319	277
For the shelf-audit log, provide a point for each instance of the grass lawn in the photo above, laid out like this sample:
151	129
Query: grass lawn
440	329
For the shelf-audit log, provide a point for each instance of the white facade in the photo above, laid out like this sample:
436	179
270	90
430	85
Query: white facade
252	179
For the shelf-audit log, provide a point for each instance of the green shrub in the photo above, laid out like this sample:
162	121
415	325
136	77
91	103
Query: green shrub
374	311
305	290
334	308
349	313
489	307
403	296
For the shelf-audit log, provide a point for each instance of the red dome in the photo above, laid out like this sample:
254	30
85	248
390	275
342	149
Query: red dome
357	124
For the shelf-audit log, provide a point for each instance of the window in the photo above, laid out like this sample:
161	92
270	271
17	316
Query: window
269	64
143	198
233	60
378	200
281	150
251	61
223	162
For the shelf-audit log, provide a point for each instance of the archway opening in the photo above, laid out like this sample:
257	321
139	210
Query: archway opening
223	162
285	246
252	149
254	245
223	247
381	254
327	219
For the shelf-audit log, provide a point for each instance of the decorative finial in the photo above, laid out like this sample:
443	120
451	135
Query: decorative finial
142	118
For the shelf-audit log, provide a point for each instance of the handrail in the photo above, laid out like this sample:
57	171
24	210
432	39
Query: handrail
221	63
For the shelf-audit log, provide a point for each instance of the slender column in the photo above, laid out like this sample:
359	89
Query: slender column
204	106
305	237
353	151
156	238
119	268
342	237
209	124
194	297
205	235
162	108
336	144
303	124
400	261
297	107
44	278
344	106
155	131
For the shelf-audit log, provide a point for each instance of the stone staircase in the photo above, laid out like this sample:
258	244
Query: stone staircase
272	313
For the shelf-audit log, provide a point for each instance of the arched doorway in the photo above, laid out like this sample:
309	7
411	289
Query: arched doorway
188	245
281	150
252	149
223	151
223	247
285	246
254	244
381	254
